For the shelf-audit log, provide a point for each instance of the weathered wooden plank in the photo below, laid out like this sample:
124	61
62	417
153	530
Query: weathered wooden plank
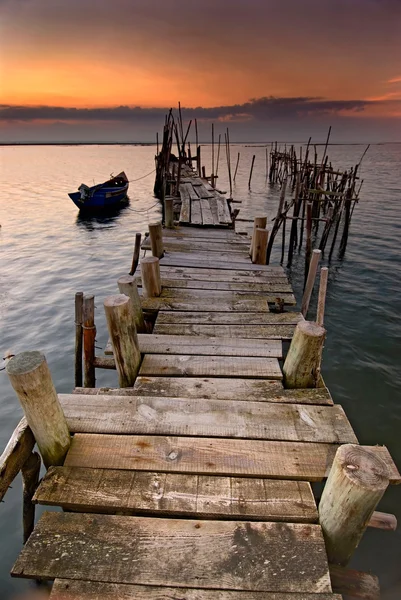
223	210
202	191
229	256
208	418
164	494
205	304
198	294
214	211
189	244
280	332
242	555
211	346
222	318
185	213
196	214
192	193
205	233
210	366
207	216
15	454
305	461
256	288
354	584
198	273
209	262
68	589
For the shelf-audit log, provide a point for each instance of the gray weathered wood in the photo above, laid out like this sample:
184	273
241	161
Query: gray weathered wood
150	277
258	223
127	285
281	332
259	246
185	214
241	555
207	418
257	390
199	273
208	497
156	239
205	233
210	366
254	287
206	304
196	214
305	461
223	318
195	294
30	477
302	364
178	259
223	210
79	302
207	216
68	589
15	454
200	256
30	377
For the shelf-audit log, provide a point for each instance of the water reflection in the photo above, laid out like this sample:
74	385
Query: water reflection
106	219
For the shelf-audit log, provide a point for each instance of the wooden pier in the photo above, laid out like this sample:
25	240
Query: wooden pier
195	482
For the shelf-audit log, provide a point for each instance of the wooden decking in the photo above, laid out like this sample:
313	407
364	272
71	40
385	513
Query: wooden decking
201	204
196	483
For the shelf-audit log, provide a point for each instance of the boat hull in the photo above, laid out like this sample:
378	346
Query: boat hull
102	197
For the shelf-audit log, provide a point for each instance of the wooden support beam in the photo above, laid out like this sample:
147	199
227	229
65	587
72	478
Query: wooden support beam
156	239
310	282
137	249
89	336
324	274
30	479
31	379
169	212
15	454
260	222
260	240
356	483
120	318
79	302
150	275
127	286
302	365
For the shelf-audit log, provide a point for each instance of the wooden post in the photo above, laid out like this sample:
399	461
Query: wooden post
121	325
204	172
137	249
151	282
302	364
198	160
310	281
30	479
308	243
156	239
31	379
260	222
89	341
261	237
357	481
250	174
169	212
127	285
324	274
236	166
79	301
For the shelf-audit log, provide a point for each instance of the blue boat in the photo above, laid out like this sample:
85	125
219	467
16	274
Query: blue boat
105	196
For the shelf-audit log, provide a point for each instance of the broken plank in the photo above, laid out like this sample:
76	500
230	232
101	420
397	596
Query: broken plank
69	589
164	494
210	366
138	415
207	305
241	555
305	461
254	332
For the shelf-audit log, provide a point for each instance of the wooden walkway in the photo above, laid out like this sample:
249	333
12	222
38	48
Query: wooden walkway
201	204
195	484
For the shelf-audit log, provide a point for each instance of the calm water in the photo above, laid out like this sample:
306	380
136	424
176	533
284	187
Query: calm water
48	253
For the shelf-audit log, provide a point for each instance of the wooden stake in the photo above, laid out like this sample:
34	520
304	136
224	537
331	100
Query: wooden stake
308	244
260	222
127	285
302	364
156	239
151	282
137	249
89	340
169	212
324	274
31	379
79	301
261	237
121	325
250	174
236	166
30	479
356	482
310	282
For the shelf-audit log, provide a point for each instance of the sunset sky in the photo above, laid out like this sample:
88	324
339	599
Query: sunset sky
102	70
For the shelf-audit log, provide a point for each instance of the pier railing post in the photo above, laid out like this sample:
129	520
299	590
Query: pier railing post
151	282
31	379
302	364
79	300
121	325
30	472
89	341
137	250
169	212
260	222
127	285
356	483
261	237
310	282
156	239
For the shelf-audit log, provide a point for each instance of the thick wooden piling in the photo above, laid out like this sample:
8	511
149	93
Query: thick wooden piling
31	379
30	478
258	222
127	285
79	302
310	282
121	325
89	336
357	481
156	239
151	281
261	237
302	364
137	249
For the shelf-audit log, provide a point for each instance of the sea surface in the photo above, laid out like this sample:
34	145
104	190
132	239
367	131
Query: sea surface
48	253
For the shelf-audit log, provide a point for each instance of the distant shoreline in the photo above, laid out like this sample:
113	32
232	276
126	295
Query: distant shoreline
249	144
